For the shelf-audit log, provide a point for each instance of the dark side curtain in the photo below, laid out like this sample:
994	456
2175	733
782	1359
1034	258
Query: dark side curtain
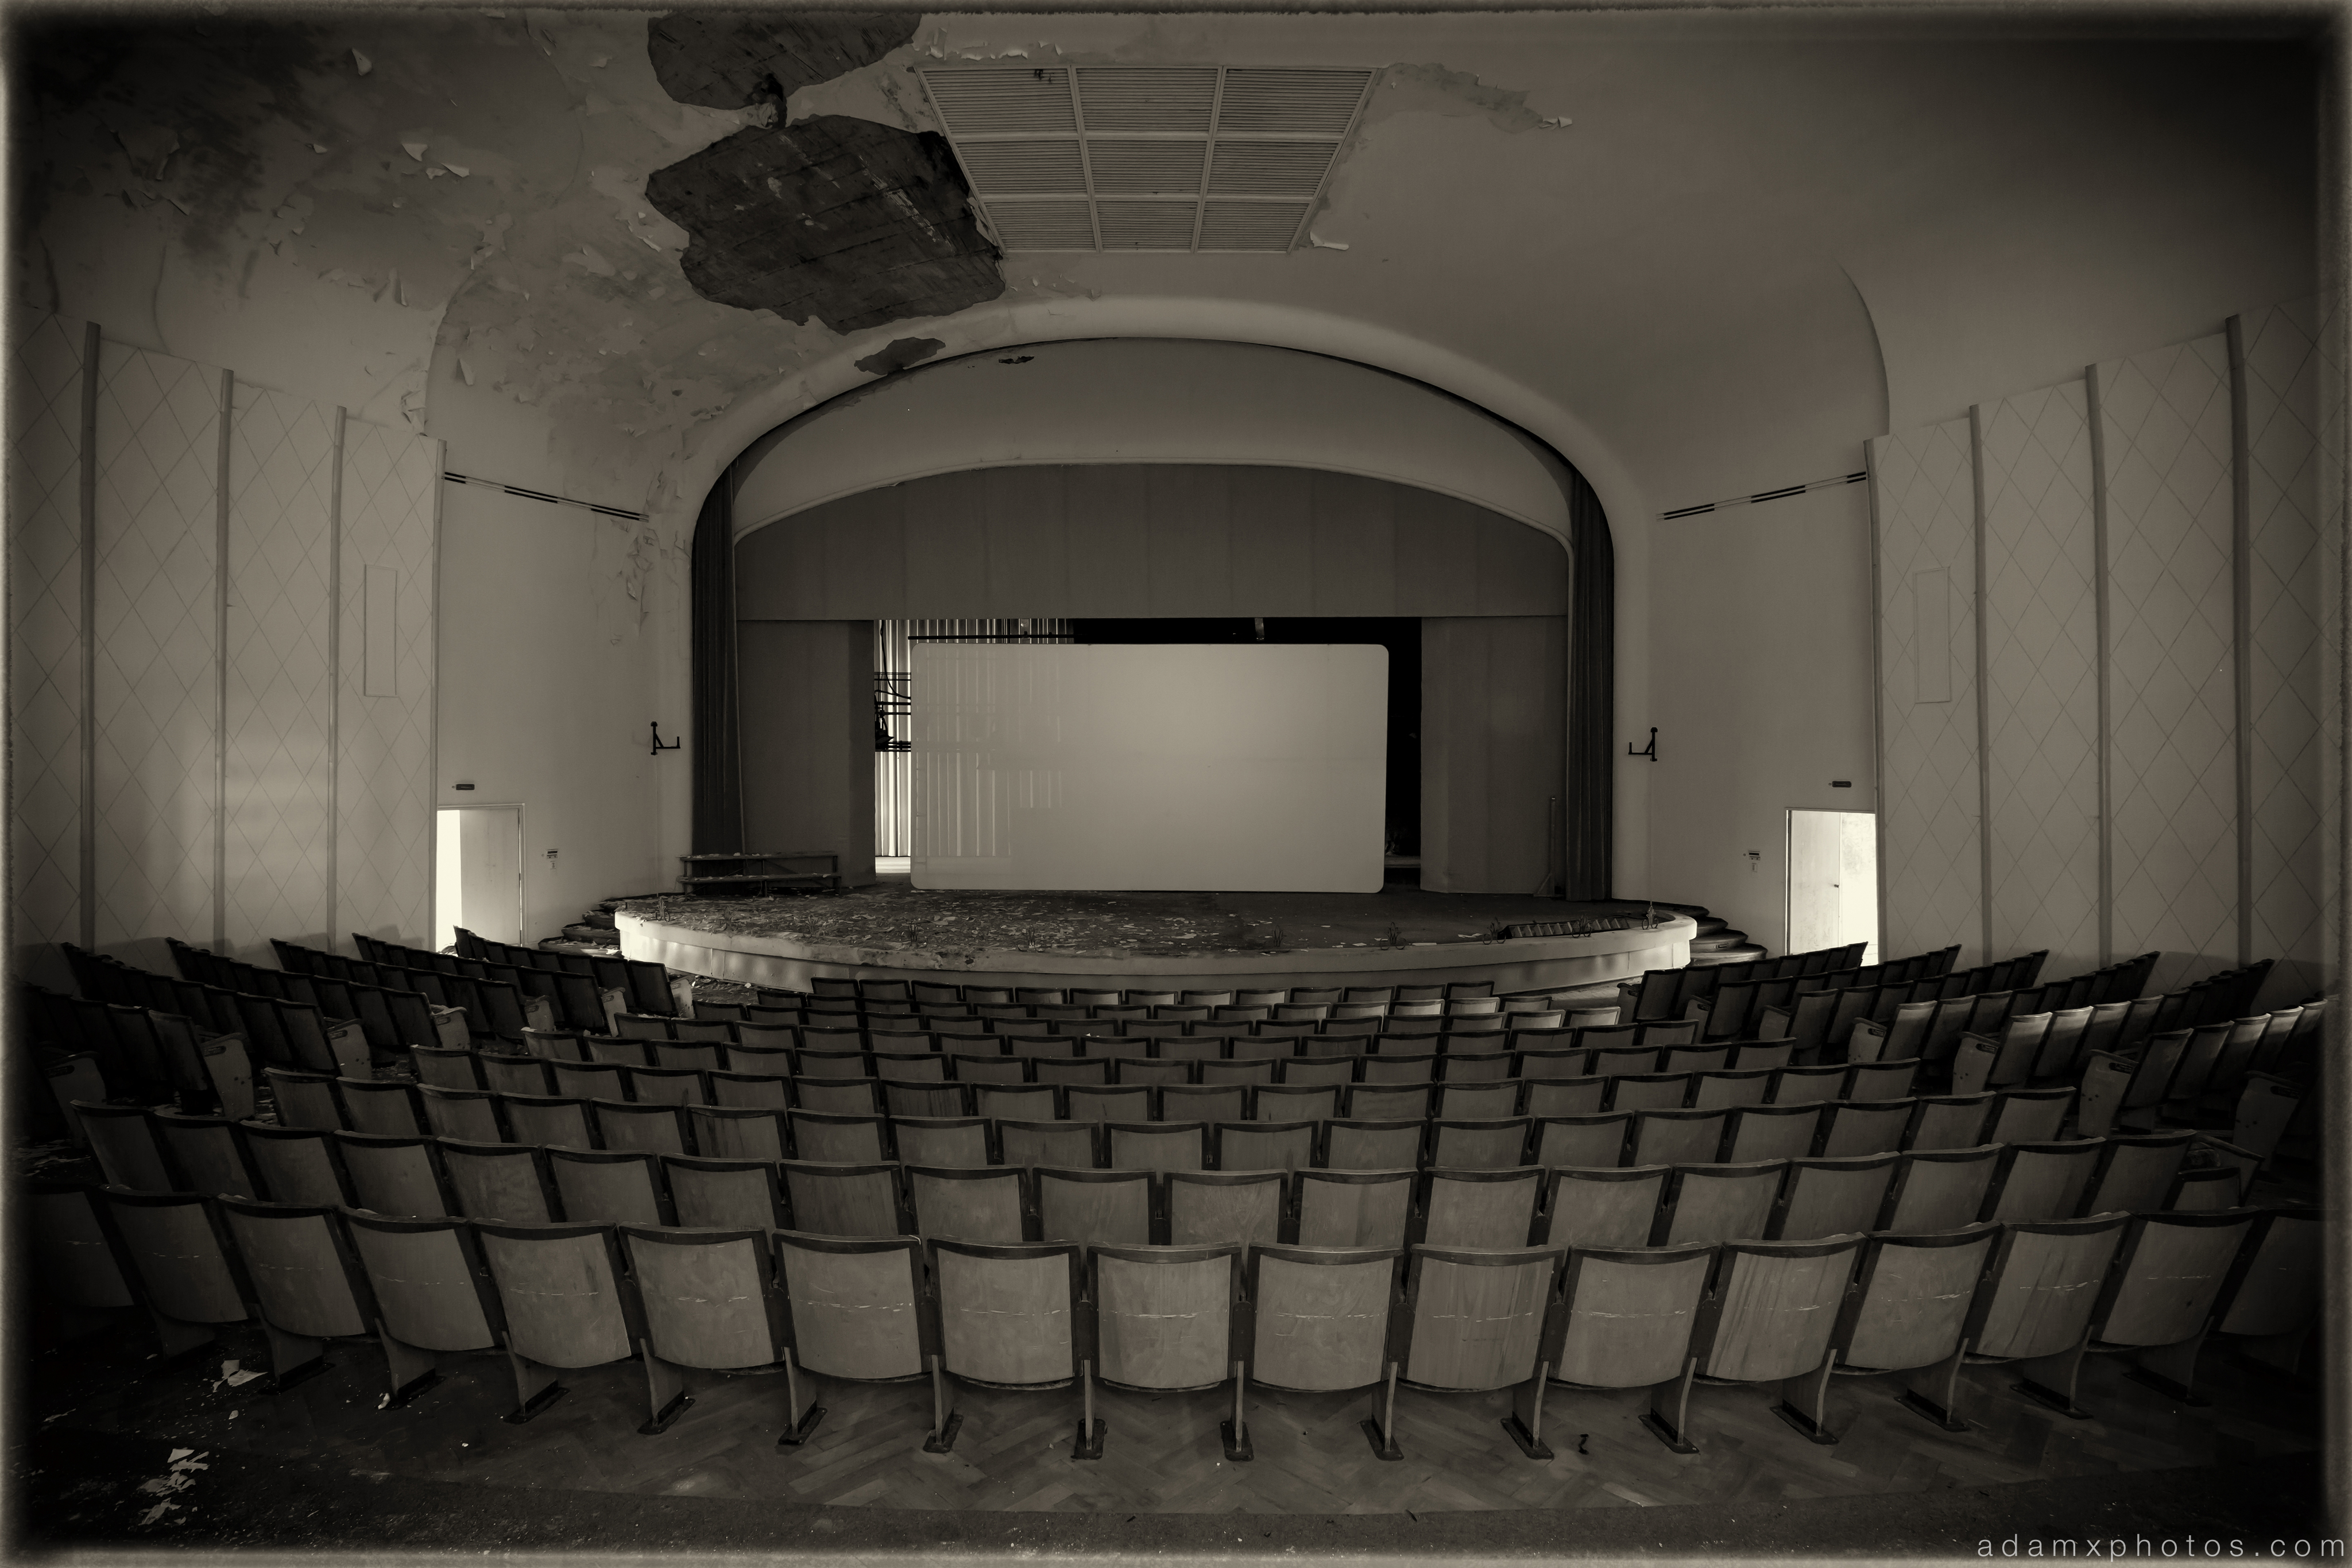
718	763
1591	695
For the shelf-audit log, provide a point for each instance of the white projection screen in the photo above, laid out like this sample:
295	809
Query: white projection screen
1246	768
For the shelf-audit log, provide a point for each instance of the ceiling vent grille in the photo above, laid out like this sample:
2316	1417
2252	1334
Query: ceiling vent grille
1193	158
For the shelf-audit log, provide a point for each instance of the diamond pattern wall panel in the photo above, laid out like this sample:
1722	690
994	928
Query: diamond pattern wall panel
154	709
2041	629
1925	498
280	775
2333	416
2172	702
44	392
385	853
2282	371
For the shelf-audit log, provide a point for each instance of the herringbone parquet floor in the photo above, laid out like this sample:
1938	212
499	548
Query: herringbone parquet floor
1163	1454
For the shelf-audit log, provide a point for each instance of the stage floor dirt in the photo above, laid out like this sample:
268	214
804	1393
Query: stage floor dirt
893	915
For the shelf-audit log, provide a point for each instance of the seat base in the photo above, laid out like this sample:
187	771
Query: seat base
1805	1422
297	1376
1665	1434
798	1433
412	1389
666	1416
1530	1443
1927	1409
535	1405
1384	1447
1088	1444
2165	1385
1237	1442
2051	1398
939	1442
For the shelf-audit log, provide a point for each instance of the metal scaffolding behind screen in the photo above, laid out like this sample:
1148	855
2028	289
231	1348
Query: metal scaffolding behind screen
894	697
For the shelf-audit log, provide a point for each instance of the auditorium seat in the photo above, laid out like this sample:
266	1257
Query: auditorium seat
1007	1319
1371	1145
182	1261
126	1147
1158	1146
1167	1321
2265	1108
1063	1144
1480	1208
2135	1173
843	1198
1906	1312
306	1282
1485	1144
2155	1305
1832	1195
941	1141
1295	1102
1565	1096
496	1181
470	1113
1767	1318
296	1164
1094	1207
969	1204
1940	1189
1718	1202
1587	1140
1476	1322
1612	1205
2028	1115
2043	1180
432	1295
1674	1138
1321	1324
567	1302
1949	1121
1769	1133
1207	1207
1648	1091
2271	1303
397	1176
1863	1127
1355	1207
208	1151
610	1186
1808	1085
1264	1146
1625	1316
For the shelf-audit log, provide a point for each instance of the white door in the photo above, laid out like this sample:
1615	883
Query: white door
478	864
1833	881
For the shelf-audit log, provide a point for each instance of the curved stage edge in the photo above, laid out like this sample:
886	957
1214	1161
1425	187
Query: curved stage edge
1518	964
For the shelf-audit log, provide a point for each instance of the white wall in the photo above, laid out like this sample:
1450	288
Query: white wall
1760	672
548	697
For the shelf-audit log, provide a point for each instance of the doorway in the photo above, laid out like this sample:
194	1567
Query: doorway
1833	881
477	874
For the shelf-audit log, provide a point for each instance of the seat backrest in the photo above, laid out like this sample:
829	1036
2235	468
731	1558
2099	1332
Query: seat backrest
1774	1308
839	1139
397	1177
1480	1208
376	1106
1627	1314
956	1141
1158	1146
1355	1208
1603	1206
567	1299
2041	1286
1950	1121
2041	1180
1832	1195
1007	1316
843	1198
709	1296
1323	1316
1676	1137
512	1182
2135	1172
306	1279
724	1194
296	1164
207	1151
1165	1317
1709	1203
1585	1140
431	1288
1209	1208
857	1308
1091	1209
965	1204
1865	1128
186	1263
2168	1275
609	1186
1771	1133
1888	1079
1496	1145
1063	1144
1909	1306
1478	1315
76	1259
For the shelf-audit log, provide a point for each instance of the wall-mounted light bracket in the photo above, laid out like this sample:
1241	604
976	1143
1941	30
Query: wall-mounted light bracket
1650	751
658	747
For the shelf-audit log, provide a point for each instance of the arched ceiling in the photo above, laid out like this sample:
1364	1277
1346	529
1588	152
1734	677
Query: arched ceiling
1720	248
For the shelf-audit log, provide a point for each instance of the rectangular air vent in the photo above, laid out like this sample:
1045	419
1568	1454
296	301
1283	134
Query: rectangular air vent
1229	158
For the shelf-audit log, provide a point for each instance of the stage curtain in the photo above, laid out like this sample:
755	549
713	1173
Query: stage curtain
718	755
1591	701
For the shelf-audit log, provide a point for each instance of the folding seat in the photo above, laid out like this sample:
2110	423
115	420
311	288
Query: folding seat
207	1152
1769	1132
1480	1207
1031	1038
2156	1305
1863	1127
1109	1103
221	1064
1710	1089
1474	1006
555	1045
2270	1303
469	1113
821	1136
1150	1029
1400	1067
1985	1060
1180	1013
513	1182
753	1035
1803	1020
587	1080
1615	1061
2040	1180
1626	1317
1482	1144
1767	1318
1718	1202
1029	1102
1652	996
1322	1319
959	1141
1906	1036
1576	1096
1906	1312
1217	1207
2134	1174
1468	1061
1354	1208
749	1089
1096	999
1539	1019
1832	1194
970	1204
1251	1070
321	1042
1808	1085
841	1096
1064	1145
1649	1091
1353	1145
1603	1206
2266	1107
2060	1053
1133	1055
568	1303
609	1186
184	1266
2028	1115
1879	1081
2200	1188
1385	1103
1264	1146
397	1176
2193	1066
1362	995
1316	1072
547	1119
1940	1189
844	1199
1476	1324
918	1099
305	1282
1284	1033
1007	1318
513	1074
1158	1146
967	1068
1093	1071
693	1056
737	1133
1094	1207
1949	1121
988	996
1678	1035
2231	1064
1694	1058
1190	1048
431	1291
1201	1102
1337	1042
618	1050
725	1193
1674	1138
1474	1100
1584	1140
1297	1012
1725	1015
672	1085
128	1150
843	1041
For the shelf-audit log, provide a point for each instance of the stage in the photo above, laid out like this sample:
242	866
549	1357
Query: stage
1199	941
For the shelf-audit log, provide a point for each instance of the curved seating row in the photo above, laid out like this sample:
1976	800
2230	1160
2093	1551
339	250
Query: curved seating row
900	1309
1672	993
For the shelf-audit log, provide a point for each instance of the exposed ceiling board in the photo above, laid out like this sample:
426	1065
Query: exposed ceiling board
1137	151
725	59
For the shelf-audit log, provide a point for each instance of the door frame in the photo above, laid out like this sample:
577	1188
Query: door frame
1789	870
522	899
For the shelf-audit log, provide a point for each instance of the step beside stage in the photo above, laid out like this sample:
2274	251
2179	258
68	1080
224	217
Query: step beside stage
1520	963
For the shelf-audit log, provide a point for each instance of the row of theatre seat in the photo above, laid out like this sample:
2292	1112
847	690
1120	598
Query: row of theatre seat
1463	1185
558	1298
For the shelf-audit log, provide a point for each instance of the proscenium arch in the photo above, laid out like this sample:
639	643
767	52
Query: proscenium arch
1245	408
